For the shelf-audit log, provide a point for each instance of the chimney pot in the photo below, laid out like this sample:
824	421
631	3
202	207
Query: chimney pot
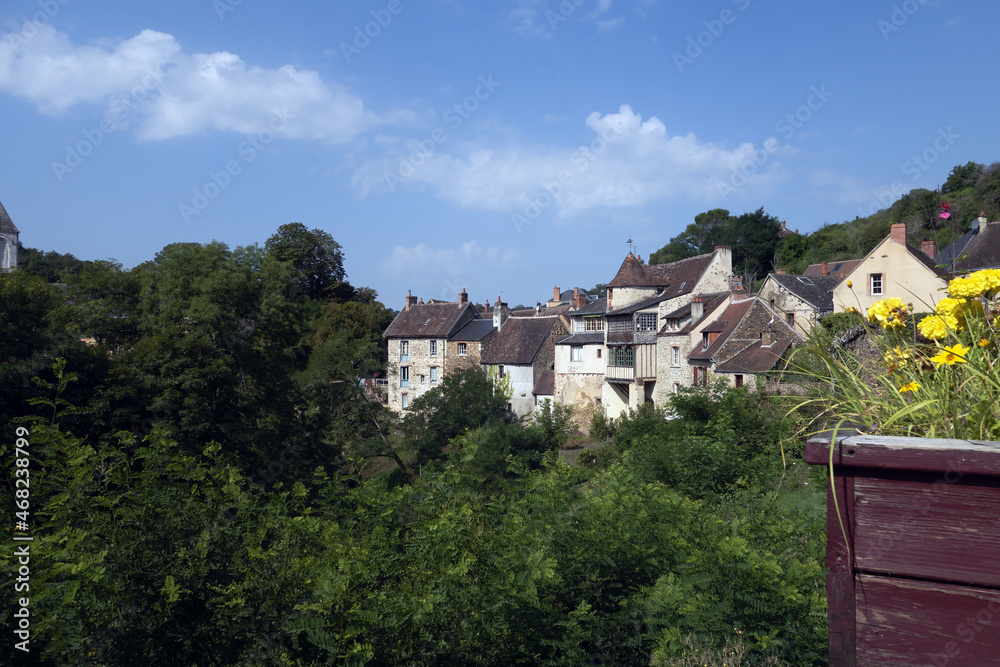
555	293
898	232
781	272
697	309
824	269
463	297
929	248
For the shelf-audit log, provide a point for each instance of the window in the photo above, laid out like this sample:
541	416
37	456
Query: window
704	341
434	374
434	349
576	353
404	376
645	322
677	387
593	324
700	376
675	356
739	380
790	318
620	324
461	349
404	351
623	357
404	401
876	284
599	350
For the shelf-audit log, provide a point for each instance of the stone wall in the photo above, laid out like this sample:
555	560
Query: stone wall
420	362
666	372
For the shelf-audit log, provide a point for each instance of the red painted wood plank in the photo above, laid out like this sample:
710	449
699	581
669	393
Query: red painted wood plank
840	592
924	528
954	458
906	622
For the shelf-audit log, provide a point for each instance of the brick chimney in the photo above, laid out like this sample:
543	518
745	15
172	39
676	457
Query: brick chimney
824	269
981	221
898	232
929	248
555	293
697	309
579	300
410	300
500	314
463	297
781	272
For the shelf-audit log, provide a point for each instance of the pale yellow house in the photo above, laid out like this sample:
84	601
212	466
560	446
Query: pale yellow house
892	268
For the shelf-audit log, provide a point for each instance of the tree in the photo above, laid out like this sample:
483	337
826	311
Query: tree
48	265
313	253
987	191
698	238
962	176
753	238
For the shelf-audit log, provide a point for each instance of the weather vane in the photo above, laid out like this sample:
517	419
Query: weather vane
631	245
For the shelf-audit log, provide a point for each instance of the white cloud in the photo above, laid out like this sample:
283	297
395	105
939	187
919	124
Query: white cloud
626	162
182	94
469	263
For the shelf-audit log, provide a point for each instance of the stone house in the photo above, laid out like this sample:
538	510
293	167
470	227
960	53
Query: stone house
9	236
581	362
892	269
802	299
680	331
746	340
639	298
422	349
978	248
522	350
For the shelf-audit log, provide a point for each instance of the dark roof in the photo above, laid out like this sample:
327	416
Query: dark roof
519	340
676	278
710	303
6	224
957	249
730	319
474	330
546	384
638	305
982	251
685	311
814	290
595	307
583	339
434	320
839	268
567	294
756	358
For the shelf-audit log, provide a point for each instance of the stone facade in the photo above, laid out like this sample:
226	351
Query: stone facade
418	363
803	314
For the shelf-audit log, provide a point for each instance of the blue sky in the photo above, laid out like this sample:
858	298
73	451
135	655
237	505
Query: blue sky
503	147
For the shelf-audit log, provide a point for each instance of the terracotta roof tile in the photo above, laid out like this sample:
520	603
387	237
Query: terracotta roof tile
436	320
546	384
519	340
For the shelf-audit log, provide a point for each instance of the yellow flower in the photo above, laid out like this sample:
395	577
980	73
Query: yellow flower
986	342
990	278
897	355
973	285
889	313
935	327
852	309
910	386
850	284
951	355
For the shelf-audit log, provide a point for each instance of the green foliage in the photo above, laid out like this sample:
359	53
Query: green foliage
962	176
50	265
316	257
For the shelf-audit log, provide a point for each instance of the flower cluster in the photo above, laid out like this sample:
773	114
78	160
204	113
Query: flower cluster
889	313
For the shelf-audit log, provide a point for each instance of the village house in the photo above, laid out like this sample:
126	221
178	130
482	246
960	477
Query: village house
892	269
802	299
978	248
837	269
744	342
9	236
424	345
639	298
522	350
580	361
681	330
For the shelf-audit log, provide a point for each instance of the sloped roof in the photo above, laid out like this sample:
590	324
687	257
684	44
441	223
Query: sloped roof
6	224
924	259
729	319
429	320
982	251
814	290
957	249
839	268
710	303
756	358
545	385
474	330
519	340
595	307
583	339
676	277
639	305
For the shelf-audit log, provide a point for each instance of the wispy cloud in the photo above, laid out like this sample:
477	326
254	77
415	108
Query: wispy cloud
193	93
625	162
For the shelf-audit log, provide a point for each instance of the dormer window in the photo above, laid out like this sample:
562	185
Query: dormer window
704	341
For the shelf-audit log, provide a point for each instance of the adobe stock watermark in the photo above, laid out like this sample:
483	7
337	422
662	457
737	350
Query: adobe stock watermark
787	126
246	152
915	167
363	35
566	9
899	16
714	28
48	9
120	111
223	7
455	116
581	159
